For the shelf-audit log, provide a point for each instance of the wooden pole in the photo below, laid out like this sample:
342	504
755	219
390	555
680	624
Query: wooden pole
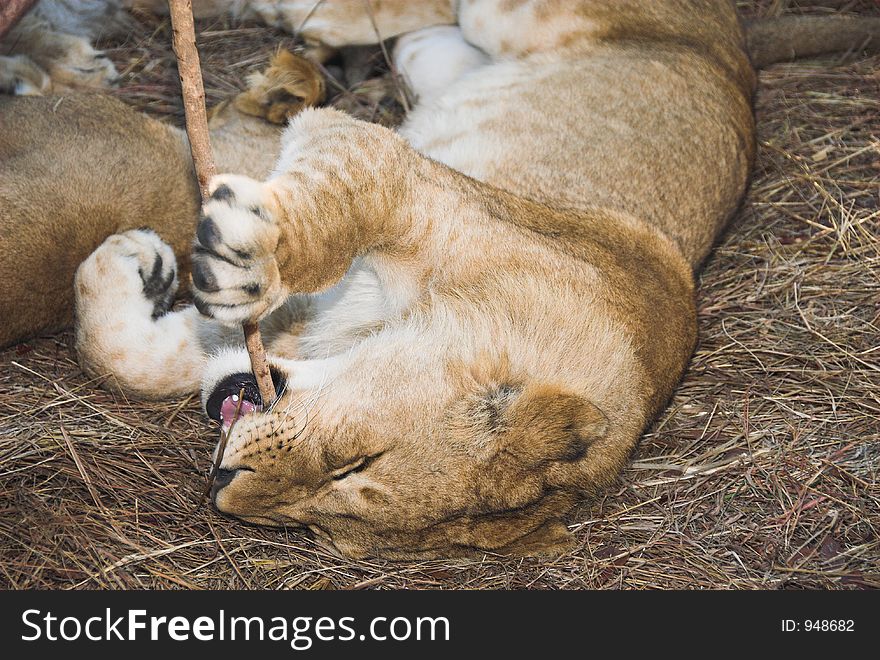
11	12
183	37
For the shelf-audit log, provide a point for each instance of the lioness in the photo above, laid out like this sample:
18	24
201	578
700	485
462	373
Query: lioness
470	320
50	49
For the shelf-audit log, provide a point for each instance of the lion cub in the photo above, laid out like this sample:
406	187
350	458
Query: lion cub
472	319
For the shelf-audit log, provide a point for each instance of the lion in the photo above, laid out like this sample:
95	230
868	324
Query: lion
51	49
78	168
472	319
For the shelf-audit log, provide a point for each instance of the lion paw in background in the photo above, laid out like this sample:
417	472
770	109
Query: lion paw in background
50	48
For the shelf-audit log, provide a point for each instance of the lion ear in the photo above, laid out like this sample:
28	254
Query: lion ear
545	423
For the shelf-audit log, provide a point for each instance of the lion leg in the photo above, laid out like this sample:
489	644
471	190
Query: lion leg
19	75
345	193
353	22
124	328
433	58
340	193
70	60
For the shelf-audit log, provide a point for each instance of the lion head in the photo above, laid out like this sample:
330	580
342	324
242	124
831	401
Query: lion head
487	464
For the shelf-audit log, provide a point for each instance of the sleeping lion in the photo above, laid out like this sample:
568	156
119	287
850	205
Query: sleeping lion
470	320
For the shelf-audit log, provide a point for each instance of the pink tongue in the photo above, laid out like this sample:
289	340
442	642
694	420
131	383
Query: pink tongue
230	405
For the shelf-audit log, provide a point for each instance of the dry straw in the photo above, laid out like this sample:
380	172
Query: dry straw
764	472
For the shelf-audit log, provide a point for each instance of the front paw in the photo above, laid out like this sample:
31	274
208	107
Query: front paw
22	77
81	66
136	267
235	273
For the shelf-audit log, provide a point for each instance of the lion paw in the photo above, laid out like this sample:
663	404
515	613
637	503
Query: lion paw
136	266
235	273
22	77
82	66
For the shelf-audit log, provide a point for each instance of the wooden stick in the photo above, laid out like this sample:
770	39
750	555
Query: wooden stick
11	12
183	36
253	341
221	449
183	40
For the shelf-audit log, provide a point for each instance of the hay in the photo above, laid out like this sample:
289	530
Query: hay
763	472
229	51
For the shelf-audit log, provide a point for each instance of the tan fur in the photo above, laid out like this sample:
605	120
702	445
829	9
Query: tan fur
495	343
50	49
560	325
474	317
351	22
790	37
78	168
286	87
74	170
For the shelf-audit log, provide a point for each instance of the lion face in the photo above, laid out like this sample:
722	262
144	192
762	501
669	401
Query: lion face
491	468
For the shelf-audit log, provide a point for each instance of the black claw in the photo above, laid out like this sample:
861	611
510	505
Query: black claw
207	232
161	307
198	251
260	212
223	193
202	306
203	277
242	254
158	288
154	284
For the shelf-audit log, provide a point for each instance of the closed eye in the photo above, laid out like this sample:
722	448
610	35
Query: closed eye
354	467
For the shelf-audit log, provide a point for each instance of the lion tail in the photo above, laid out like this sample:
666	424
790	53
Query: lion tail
772	40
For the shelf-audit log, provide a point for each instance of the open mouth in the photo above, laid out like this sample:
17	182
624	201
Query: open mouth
235	406
237	396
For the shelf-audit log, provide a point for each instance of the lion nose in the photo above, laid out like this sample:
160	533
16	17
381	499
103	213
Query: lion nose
222	480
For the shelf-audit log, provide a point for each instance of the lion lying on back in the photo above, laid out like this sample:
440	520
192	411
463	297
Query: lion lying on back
470	320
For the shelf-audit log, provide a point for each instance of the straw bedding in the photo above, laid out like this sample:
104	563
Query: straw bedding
762	473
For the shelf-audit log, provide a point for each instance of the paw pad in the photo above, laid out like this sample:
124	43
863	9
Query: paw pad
233	258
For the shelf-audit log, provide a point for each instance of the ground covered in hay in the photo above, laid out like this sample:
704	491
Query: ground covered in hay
763	473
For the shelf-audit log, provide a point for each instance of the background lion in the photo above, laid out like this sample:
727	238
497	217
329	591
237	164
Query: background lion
75	169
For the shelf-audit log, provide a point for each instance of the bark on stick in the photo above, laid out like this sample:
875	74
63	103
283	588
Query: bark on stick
189	70
11	12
